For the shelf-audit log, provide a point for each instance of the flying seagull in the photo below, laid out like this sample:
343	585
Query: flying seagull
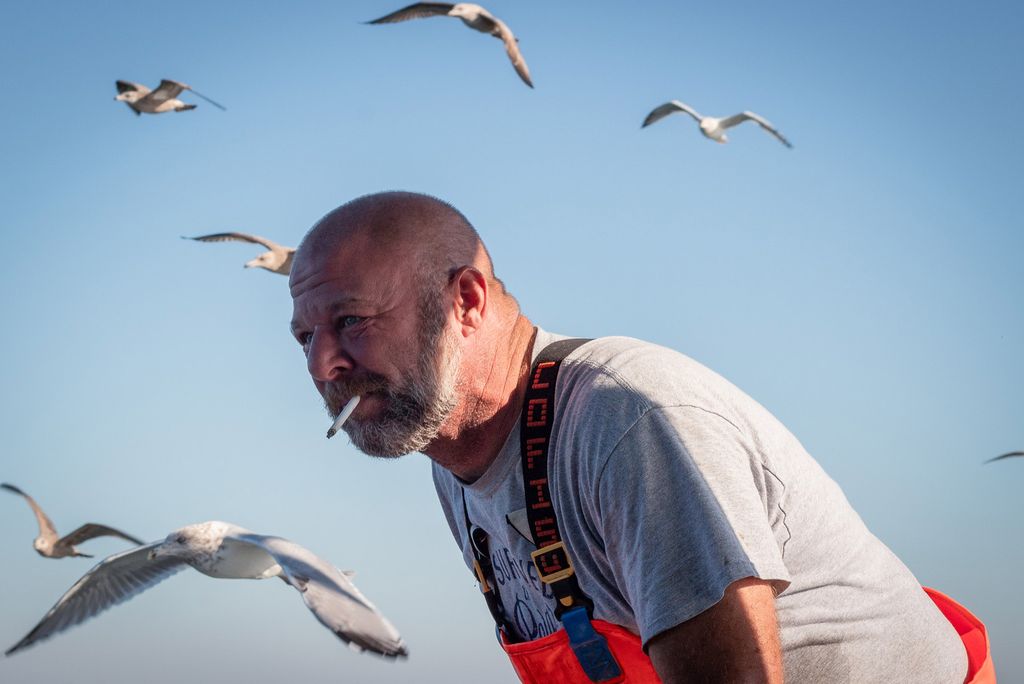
277	260
48	544
141	99
225	551
473	16
999	458
710	126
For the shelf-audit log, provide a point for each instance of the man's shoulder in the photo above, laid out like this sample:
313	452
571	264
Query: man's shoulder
607	386
639	375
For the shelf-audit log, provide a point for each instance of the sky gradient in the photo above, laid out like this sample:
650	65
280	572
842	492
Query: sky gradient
864	286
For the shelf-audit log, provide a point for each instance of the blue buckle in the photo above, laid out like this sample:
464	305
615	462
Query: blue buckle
591	648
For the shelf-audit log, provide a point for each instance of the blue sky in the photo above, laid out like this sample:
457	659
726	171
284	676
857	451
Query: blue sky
864	286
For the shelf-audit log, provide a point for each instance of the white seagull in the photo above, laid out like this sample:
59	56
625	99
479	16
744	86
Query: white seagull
225	551
277	260
473	16
51	545
710	126
141	99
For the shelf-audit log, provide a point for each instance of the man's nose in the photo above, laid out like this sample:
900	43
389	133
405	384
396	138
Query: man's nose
325	358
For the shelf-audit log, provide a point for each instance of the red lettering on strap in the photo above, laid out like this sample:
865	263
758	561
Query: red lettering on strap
534	448
532	419
537	384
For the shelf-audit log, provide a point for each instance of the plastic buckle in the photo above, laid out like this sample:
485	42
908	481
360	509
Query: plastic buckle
591	648
552	563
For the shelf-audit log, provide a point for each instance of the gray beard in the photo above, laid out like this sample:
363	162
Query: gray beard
414	413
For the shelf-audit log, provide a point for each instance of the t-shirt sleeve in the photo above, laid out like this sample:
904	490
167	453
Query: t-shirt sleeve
683	512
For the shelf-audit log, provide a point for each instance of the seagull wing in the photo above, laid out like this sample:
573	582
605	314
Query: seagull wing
92	530
731	121
114	580
1009	455
670	107
126	86
239	237
331	596
415	11
46	528
512	48
167	90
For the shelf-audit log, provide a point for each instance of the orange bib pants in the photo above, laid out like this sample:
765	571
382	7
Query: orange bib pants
551	660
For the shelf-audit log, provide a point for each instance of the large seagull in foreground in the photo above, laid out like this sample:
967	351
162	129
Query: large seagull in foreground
51	545
223	550
473	16
710	126
277	260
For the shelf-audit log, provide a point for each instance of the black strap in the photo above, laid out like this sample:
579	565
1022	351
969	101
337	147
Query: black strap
551	559
484	570
554	567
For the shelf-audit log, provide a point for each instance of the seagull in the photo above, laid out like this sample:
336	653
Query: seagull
49	545
999	458
141	99
277	260
710	126
225	551
473	16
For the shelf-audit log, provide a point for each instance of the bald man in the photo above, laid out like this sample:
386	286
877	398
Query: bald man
707	544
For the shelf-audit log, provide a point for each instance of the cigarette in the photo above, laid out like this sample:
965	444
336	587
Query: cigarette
343	416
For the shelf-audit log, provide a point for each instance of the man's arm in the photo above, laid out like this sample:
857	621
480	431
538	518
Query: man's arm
736	640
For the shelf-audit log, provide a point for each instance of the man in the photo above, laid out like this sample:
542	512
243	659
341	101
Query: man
695	522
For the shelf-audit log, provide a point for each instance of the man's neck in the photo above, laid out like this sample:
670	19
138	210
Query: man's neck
490	408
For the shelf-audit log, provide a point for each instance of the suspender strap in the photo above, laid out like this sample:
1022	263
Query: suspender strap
551	559
484	569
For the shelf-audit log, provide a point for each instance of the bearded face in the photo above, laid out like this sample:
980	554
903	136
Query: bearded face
414	408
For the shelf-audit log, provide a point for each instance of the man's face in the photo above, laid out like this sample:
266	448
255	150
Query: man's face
369	328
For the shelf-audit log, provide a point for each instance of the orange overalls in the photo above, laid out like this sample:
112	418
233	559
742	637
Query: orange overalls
551	659
586	650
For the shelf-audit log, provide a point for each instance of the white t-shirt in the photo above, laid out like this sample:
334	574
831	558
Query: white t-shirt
669	484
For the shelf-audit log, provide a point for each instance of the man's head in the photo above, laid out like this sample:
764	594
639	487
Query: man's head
386	289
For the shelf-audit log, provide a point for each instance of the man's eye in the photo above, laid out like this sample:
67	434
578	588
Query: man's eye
348	321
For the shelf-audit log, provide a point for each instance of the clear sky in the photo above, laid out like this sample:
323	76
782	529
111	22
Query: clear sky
865	286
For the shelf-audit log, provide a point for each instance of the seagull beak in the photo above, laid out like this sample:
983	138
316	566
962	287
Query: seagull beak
251	264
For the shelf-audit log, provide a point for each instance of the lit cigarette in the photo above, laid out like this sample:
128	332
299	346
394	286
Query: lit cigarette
343	416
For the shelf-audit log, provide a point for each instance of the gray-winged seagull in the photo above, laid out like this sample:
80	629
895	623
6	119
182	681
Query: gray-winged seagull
1009	455
473	16
710	126
141	99
226	551
277	260
51	545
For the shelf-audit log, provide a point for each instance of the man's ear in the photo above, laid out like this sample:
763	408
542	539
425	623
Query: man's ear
470	302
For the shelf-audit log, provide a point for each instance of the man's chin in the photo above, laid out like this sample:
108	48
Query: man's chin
368	438
379	451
